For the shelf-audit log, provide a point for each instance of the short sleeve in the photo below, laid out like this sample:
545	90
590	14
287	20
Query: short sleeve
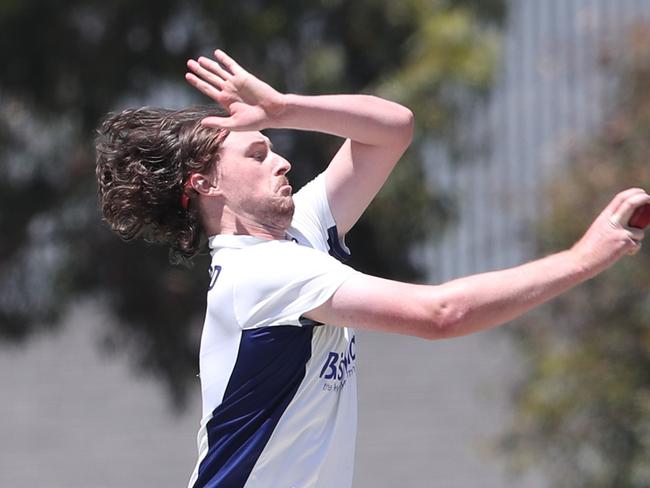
281	281
313	219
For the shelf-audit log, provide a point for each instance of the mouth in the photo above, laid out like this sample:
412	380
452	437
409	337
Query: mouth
285	189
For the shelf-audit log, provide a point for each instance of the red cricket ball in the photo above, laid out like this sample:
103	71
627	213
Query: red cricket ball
641	217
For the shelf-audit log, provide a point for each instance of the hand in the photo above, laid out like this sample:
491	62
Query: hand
610	237
251	103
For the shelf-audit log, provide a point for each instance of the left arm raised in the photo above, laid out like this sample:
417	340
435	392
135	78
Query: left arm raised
377	131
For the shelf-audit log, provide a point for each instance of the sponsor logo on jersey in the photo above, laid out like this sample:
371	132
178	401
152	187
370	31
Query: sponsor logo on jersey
338	367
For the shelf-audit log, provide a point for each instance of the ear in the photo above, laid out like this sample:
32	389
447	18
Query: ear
204	185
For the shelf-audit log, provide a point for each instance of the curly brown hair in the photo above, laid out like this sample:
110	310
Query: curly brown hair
144	157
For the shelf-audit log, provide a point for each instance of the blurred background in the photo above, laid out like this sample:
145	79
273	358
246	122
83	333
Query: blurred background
530	116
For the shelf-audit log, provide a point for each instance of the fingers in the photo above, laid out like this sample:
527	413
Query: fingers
634	250
620	211
623	215
225	68
211	78
636	235
204	87
214	67
216	73
620	198
219	122
636	245
209	75
626	205
227	61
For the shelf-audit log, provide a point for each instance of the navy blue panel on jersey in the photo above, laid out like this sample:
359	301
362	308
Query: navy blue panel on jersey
305	322
336	249
269	368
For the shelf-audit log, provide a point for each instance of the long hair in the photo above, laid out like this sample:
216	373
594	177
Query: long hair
144	158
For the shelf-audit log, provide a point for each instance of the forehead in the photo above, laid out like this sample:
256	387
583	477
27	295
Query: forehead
240	141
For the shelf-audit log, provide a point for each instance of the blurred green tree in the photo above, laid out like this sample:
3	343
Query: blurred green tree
583	407
65	64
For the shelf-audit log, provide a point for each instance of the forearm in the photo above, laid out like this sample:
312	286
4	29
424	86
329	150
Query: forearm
362	118
486	300
255	105
455	308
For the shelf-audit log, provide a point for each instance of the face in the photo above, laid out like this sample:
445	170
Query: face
253	180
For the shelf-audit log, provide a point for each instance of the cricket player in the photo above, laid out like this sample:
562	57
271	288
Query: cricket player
278	348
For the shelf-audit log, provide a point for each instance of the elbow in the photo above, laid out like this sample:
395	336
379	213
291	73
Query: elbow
446	321
406	126
399	123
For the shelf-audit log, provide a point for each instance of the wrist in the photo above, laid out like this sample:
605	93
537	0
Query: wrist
588	261
276	109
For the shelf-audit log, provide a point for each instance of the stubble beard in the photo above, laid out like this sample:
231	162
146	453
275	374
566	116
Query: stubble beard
280	212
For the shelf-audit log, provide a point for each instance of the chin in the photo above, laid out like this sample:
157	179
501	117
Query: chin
287	211
281	213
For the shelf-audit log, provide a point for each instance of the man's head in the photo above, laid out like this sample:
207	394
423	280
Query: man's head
144	159
248	189
166	178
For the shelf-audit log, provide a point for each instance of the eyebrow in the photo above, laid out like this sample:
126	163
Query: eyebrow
265	142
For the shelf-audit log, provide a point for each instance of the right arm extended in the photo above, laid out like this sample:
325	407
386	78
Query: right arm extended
482	301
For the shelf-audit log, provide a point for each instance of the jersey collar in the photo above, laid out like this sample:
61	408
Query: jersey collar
221	241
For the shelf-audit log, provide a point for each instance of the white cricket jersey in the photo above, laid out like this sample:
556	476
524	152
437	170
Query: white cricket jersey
279	391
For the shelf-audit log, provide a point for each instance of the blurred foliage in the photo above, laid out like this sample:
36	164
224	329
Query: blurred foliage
65	64
583	408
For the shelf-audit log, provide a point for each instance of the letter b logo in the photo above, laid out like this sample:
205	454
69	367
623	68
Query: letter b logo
330	366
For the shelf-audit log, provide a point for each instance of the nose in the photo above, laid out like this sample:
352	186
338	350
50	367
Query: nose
283	166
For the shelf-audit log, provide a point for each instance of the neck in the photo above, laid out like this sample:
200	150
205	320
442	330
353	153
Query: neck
223	221
246	227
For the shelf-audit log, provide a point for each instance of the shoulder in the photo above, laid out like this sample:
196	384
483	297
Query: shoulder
313	223
286	260
312	216
282	280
